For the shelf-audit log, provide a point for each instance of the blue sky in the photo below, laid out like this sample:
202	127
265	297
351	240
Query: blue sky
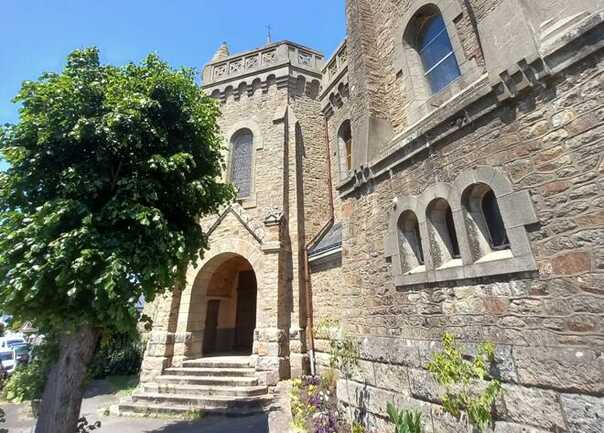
36	35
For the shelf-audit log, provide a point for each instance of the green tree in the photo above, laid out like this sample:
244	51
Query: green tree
110	170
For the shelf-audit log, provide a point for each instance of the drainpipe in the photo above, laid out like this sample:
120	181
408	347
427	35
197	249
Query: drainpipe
326	227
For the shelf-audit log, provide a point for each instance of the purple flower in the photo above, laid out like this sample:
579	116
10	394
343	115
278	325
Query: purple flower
325	423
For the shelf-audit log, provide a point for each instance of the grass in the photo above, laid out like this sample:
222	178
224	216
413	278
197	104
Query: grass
194	415
123	386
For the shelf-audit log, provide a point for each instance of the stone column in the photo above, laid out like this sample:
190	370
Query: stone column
271	335
160	344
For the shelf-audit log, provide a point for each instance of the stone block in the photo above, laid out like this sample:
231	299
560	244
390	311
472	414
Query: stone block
392	350
443	422
506	427
531	406
571	263
584	414
577	370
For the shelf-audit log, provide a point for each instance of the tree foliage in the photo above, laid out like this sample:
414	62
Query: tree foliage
110	170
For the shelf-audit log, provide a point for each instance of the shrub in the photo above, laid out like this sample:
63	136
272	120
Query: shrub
27	382
461	377
117	355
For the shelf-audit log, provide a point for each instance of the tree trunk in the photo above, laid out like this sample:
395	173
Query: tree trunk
62	398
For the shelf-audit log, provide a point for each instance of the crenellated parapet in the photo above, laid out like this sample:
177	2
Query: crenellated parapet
335	81
283	64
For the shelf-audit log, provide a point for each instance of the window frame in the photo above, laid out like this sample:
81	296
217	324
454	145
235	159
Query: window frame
517	211
422	46
257	144
408	65
234	137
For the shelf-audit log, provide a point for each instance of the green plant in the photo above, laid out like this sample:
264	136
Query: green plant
302	410
27	381
120	354
461	377
357	428
123	386
325	327
405	421
194	415
110	169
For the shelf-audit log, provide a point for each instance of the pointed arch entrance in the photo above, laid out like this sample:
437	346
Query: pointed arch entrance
226	288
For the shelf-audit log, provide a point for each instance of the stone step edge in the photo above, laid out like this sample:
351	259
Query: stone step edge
218	399
200	377
262	390
144	410
217	364
238	372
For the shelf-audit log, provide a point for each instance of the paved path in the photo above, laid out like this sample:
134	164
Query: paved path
99	396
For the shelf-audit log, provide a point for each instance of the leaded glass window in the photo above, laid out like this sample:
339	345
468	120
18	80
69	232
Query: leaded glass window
436	52
242	146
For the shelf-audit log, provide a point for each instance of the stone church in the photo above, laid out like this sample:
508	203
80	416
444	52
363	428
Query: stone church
441	171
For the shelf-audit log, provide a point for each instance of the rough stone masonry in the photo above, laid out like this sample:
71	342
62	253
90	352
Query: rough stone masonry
442	171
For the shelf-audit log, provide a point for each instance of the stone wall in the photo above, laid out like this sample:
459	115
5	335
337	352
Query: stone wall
548	140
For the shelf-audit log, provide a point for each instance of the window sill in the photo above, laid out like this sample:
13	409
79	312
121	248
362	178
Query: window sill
453	263
247	202
496	255
417	270
496	263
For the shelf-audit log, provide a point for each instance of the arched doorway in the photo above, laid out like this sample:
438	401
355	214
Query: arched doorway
230	313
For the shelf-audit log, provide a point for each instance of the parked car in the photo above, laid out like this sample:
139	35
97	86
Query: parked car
22	353
8	359
10	341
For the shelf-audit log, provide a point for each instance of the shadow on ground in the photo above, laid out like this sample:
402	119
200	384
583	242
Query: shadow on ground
250	424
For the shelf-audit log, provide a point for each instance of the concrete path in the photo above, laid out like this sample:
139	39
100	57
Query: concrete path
99	396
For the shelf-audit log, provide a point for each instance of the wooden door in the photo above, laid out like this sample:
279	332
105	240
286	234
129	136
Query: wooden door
246	312
211	330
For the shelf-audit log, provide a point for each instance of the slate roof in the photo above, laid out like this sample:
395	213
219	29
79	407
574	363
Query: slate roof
330	241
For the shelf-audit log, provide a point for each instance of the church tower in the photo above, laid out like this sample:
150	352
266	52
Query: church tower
248	294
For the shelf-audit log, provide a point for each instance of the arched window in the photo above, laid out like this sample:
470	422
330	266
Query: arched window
242	146
492	216
345	137
410	242
443	237
488	233
435	51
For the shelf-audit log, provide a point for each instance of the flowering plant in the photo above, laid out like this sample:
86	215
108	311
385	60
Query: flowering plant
314	406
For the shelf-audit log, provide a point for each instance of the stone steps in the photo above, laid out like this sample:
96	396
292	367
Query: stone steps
223	385
208	380
217	363
214	372
220	391
130	408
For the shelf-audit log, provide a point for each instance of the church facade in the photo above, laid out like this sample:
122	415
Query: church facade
441	172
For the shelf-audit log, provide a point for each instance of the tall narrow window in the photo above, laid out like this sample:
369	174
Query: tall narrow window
492	216
410	242
452	234
443	237
241	162
345	137
436	52
484	221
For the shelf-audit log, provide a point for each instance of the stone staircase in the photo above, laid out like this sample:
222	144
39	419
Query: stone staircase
217	385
